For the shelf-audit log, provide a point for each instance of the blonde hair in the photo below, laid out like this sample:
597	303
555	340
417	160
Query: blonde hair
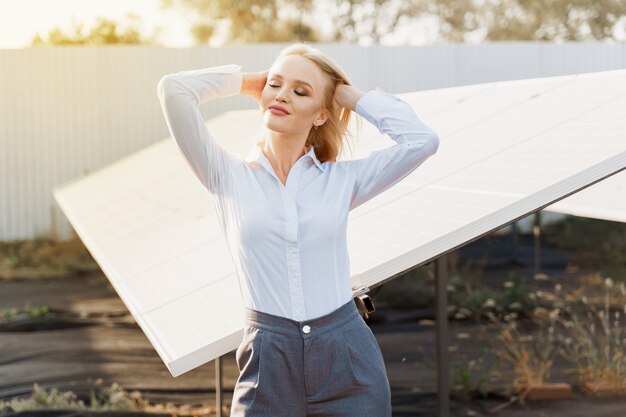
328	139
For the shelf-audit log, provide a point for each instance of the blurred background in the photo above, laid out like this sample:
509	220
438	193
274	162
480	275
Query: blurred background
188	23
78	92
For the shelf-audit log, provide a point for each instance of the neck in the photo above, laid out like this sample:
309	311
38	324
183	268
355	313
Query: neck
283	150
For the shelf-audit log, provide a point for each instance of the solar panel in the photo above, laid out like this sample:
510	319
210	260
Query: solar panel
605	200
507	149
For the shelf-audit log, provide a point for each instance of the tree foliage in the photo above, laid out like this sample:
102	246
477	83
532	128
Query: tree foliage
359	21
104	32
248	20
529	20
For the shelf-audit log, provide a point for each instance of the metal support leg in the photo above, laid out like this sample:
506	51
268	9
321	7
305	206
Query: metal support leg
441	319
218	385
514	246
537	241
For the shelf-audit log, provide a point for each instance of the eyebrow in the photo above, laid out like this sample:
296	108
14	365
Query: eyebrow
296	81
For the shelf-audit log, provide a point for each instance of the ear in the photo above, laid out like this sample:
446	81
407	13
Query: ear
321	119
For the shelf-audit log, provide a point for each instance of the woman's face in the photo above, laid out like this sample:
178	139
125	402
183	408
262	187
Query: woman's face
295	83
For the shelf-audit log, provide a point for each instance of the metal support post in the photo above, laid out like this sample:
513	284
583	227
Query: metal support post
218	385
514	247
441	319
537	241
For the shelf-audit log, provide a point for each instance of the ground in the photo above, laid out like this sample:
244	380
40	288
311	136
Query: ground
91	335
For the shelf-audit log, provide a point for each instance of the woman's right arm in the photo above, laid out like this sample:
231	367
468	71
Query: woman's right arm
180	95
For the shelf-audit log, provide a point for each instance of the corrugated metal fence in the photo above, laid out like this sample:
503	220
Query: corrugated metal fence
67	111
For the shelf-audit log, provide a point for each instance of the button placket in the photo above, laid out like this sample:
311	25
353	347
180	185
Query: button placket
291	241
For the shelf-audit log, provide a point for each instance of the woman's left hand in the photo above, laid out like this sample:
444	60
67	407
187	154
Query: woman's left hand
346	96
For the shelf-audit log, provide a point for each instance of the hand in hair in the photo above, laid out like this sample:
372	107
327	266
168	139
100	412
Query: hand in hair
346	96
253	84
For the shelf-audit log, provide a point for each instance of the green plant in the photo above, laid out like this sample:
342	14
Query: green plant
469	383
594	342
8	313
32	311
113	398
473	300
42	399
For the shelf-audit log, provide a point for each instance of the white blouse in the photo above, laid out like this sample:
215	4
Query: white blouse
288	242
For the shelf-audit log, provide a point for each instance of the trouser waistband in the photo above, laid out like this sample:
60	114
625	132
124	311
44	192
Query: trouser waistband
289	327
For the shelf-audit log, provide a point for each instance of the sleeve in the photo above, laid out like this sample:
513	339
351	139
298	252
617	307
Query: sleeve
180	95
414	143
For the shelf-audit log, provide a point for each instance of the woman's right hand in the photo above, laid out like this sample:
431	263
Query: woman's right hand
253	84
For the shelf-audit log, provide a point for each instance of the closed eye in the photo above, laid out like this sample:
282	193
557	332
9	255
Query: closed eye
300	94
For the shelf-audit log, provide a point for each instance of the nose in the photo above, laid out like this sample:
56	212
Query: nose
279	96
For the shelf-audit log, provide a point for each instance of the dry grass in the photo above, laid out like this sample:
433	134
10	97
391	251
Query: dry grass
113	398
44	258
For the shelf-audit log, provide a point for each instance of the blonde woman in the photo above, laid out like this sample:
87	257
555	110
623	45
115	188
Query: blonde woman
306	350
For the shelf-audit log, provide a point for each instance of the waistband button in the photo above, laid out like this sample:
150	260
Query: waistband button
306	329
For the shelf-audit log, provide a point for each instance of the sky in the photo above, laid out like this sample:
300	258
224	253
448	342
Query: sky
20	20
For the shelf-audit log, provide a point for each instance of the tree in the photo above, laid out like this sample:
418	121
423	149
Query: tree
105	32
249	20
293	20
529	20
357	20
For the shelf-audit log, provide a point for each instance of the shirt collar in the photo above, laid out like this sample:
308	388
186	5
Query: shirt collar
256	155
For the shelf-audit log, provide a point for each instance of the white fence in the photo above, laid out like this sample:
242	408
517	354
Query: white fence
67	111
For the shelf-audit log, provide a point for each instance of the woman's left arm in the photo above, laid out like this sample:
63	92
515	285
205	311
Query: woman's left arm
414	142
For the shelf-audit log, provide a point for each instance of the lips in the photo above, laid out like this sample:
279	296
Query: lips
280	109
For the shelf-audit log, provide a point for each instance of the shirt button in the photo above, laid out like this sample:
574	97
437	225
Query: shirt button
306	329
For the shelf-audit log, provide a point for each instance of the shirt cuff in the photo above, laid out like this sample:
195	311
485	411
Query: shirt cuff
373	104
232	83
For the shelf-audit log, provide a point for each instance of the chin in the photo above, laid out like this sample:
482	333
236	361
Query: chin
273	127
271	122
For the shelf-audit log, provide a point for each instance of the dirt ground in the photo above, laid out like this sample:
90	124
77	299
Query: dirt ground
90	335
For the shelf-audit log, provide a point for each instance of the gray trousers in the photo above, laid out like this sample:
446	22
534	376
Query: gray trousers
330	366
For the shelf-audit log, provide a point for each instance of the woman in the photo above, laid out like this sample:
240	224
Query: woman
306	350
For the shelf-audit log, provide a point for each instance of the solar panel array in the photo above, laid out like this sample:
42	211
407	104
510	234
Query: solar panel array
507	149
